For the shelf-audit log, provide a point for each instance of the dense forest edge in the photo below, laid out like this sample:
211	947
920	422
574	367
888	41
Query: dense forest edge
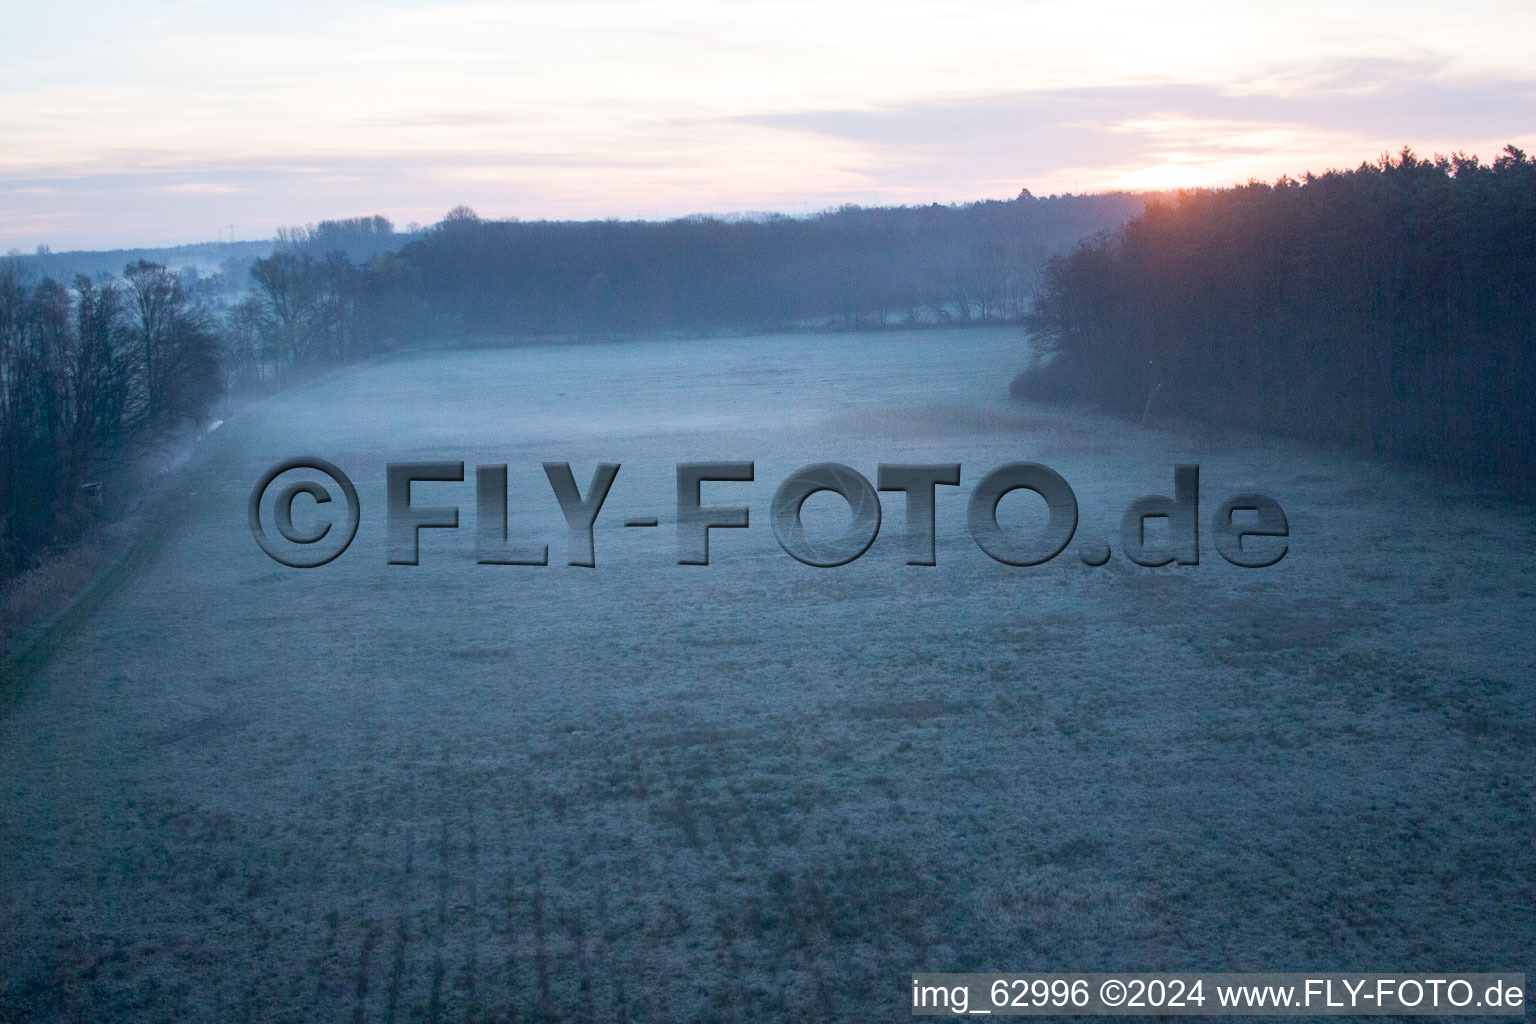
1388	310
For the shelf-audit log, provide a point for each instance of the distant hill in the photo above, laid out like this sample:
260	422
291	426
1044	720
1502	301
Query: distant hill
361	238
208	257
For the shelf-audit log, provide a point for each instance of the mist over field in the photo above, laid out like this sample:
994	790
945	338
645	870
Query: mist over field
755	789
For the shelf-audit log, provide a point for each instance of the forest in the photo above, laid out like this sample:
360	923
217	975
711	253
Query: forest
1388	310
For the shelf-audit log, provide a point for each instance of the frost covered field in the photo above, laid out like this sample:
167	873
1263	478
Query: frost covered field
758	790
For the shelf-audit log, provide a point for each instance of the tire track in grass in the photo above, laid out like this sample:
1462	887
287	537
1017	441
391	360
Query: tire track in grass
371	931
540	948
507	903
444	877
435	1000
400	976
474	1010
397	970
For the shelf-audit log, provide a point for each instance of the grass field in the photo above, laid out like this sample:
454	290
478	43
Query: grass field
758	790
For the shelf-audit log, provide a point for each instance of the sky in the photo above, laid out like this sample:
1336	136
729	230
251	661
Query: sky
159	122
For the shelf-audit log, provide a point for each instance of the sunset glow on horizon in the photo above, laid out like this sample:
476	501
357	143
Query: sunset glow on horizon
188	121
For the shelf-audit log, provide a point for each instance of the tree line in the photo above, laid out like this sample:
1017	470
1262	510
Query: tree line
314	302
98	372
90	374
1389	309
850	267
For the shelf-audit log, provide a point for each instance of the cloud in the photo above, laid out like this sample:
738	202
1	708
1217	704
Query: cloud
1123	135
1311	117
202	188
